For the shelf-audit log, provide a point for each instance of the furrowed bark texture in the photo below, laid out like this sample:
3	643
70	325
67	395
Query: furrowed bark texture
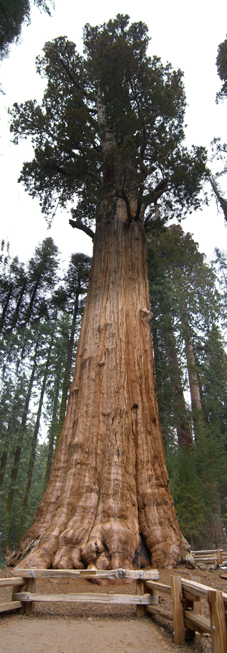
109	482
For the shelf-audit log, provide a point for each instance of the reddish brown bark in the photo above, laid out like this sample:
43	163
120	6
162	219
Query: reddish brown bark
109	483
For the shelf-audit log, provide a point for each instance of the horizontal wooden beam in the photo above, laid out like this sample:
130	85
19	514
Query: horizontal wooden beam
18	580
132	574
196	589
153	609
206	559
194	553
189	596
196	621
12	605
155	585
90	597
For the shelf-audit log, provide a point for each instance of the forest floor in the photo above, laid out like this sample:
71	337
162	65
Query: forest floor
70	628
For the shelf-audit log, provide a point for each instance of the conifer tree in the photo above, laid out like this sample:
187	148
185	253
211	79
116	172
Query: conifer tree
13	14
182	285
110	132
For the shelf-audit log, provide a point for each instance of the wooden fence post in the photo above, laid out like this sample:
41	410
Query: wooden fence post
17	588
178	613
217	621
140	592
153	592
197	608
30	587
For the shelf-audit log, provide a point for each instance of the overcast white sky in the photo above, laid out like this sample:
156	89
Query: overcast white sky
187	35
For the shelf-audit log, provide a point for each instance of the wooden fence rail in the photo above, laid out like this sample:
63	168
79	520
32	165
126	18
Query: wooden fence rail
215	556
187	612
24	595
186	599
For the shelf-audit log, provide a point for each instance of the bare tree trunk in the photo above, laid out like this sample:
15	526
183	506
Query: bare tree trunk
19	301
5	307
197	413
3	464
4	456
109	481
66	380
184	435
52	432
34	445
17	454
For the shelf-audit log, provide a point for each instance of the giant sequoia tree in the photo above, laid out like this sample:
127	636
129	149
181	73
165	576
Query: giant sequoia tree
13	14
109	135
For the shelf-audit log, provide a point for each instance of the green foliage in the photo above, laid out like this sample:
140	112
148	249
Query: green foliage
221	63
187	490
39	328
219	149
13	14
114	92
181	283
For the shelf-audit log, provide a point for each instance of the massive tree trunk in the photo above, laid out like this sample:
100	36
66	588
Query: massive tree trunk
109	484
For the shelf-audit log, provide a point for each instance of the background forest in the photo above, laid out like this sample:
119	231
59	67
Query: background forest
40	321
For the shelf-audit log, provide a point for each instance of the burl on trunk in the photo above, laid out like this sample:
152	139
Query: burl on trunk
109	485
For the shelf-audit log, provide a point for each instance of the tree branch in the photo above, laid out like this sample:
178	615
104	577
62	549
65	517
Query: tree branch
79	88
123	195
220	199
76	224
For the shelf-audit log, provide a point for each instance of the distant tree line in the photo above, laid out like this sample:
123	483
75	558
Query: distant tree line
188	300
40	320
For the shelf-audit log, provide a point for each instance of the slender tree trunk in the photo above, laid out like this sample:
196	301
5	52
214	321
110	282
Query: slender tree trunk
5	307
17	309
52	432
3	465
66	381
184	435
197	413
33	447
5	452
29	310
109	481
17	454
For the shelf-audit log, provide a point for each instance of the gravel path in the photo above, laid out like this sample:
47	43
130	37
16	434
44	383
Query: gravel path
32	635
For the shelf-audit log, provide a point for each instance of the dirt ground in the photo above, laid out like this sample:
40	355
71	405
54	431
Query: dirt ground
70	628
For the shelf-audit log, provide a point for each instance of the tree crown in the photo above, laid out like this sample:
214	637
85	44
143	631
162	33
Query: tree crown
111	123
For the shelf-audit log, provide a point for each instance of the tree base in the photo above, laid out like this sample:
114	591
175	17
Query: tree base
37	554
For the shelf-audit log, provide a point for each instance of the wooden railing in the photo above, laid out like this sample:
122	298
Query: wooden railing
186	599
24	595
187	611
212	556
